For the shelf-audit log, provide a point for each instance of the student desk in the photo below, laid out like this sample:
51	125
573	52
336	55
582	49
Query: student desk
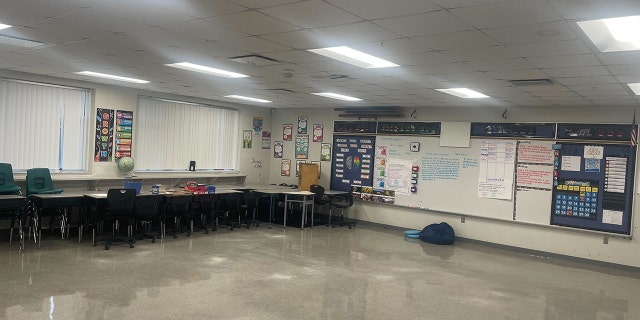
304	198
38	202
271	192
332	194
15	205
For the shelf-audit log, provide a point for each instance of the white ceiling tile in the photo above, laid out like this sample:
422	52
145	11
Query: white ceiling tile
253	44
356	33
457	40
389	48
596	9
424	24
583	60
199	8
103	21
257	4
522	74
421	59
597	87
384	9
203	29
142	12
252	22
570	81
311	14
301	39
557	48
541	32
450	4
622	57
625	69
508	13
483	53
577	72
503	64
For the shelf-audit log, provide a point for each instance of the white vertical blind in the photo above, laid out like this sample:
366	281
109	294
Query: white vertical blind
43	126
169	134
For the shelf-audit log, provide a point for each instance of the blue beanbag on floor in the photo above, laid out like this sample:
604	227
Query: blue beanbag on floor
438	233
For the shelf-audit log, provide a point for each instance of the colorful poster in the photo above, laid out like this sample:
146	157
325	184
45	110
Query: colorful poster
302	124
104	135
266	140
298	162
246	139
318	132
257	124
124	133
287	132
397	175
325	152
278	149
302	146
285	168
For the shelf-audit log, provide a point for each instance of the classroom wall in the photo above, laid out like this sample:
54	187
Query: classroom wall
123	98
547	239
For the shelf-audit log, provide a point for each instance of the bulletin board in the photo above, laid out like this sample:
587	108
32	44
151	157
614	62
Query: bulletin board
543	174
593	186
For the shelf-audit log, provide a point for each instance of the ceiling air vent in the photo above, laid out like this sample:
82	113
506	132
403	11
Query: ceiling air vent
531	82
255	60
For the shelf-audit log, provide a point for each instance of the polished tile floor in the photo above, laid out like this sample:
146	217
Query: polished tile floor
368	272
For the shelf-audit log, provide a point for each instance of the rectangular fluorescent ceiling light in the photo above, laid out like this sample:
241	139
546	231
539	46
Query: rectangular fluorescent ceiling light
463	93
336	96
4	26
20	42
355	57
208	70
635	87
233	96
110	76
613	34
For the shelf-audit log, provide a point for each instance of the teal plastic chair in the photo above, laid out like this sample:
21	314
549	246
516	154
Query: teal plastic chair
7	184
39	182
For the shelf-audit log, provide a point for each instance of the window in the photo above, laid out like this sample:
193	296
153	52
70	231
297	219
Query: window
169	134
43	126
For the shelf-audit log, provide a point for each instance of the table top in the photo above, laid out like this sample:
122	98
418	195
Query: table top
300	193
10	197
64	195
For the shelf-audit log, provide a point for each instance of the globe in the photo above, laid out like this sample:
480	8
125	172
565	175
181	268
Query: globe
125	165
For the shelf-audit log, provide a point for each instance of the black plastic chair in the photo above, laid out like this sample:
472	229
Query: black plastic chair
229	205
146	211
319	198
178	208
120	206
207	207
7	184
250	204
342	205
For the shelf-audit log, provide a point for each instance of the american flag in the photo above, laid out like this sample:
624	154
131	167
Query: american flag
634	131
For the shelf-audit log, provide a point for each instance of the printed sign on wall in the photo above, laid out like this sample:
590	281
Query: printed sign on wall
124	133
104	135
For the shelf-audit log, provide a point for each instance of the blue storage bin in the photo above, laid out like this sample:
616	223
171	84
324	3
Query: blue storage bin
133	185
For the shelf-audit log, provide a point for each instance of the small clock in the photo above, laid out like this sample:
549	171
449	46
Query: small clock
414	146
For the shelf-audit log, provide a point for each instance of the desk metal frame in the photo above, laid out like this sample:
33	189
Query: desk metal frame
305	198
17	203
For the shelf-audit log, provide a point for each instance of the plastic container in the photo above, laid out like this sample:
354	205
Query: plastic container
133	185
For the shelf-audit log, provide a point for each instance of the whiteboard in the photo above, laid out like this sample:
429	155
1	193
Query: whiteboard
448	181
